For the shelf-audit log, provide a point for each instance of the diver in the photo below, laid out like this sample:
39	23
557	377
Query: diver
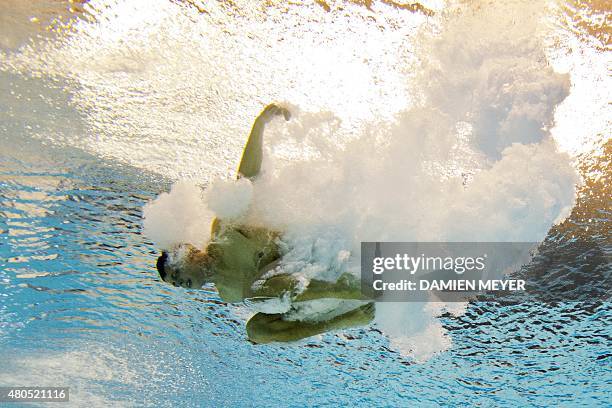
239	257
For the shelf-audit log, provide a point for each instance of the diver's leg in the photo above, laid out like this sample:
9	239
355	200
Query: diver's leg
346	287
267	328
250	164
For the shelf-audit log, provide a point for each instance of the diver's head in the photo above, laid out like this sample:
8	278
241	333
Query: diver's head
186	266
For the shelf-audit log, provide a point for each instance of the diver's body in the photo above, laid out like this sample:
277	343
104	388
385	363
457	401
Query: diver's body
238	256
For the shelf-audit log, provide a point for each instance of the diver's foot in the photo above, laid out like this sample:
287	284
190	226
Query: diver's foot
361	316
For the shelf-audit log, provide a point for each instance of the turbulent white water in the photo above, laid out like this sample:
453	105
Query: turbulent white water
472	160
405	127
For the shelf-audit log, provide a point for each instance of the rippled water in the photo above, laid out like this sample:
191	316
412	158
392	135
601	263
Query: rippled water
81	304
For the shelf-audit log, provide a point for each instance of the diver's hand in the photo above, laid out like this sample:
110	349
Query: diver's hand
273	110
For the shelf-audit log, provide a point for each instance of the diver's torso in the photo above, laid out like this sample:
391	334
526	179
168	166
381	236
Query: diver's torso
241	254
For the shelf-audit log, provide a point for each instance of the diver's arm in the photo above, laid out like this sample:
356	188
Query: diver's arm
253	150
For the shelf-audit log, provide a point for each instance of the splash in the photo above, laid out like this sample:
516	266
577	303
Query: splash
229	199
178	216
472	160
412	127
477	148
